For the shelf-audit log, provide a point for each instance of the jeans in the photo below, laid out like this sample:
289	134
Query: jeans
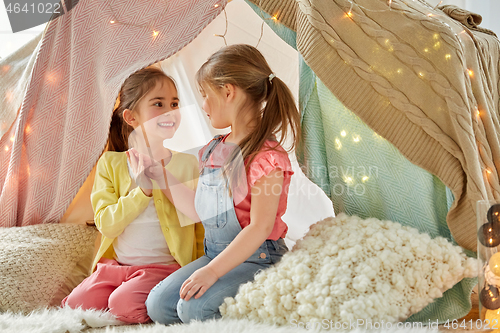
165	306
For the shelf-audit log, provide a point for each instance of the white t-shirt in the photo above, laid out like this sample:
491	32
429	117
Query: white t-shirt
142	242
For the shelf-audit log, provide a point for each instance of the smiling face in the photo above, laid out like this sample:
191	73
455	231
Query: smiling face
158	111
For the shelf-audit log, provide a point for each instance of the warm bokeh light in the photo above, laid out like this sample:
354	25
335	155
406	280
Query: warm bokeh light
338	144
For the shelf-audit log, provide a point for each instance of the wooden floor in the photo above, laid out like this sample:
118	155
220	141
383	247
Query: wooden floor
470	320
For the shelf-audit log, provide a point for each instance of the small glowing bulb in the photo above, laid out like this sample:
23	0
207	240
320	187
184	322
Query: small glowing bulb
437	45
6	148
112	21
421	74
447	56
12	139
430	15
343	133
493	315
348	180
496	213
478	113
356	138
349	14
436	36
28	129
426	49
216	5
386	41
399	71
155	33
275	17
364	179
491	240
471	73
488	171
338	144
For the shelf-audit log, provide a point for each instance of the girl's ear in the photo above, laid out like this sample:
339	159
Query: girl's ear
129	118
229	91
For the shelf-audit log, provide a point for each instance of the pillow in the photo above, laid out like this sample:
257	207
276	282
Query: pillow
41	264
346	269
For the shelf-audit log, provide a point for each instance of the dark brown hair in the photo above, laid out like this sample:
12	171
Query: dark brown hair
135	87
271	101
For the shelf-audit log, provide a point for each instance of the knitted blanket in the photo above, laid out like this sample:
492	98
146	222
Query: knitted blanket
418	78
62	125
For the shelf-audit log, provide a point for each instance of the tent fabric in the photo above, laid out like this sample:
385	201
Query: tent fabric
421	80
15	72
81	64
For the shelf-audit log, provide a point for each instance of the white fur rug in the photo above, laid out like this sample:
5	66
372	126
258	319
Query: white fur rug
73	321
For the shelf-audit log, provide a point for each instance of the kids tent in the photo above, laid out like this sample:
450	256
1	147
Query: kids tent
399	105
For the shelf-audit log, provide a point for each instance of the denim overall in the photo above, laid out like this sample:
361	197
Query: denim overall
215	208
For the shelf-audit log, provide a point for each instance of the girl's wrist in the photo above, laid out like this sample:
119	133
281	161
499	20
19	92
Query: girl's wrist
213	271
147	192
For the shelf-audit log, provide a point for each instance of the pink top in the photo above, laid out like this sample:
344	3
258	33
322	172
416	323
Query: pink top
264	162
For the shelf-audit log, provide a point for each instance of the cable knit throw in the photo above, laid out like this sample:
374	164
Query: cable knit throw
62	126
418	78
469	19
346	269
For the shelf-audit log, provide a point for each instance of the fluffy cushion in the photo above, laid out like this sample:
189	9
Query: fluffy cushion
347	269
41	264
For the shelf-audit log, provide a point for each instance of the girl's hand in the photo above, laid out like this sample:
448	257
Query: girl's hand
138	165
152	168
198	283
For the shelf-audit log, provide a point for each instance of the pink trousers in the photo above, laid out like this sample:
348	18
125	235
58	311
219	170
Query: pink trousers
121	289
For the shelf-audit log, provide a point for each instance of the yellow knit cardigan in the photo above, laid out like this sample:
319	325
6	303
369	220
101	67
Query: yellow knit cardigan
115	206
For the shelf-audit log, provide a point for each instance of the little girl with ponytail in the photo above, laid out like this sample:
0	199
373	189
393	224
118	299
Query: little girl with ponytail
243	233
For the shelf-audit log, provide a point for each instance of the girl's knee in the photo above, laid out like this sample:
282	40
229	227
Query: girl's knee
161	307
197	309
128	307
82	298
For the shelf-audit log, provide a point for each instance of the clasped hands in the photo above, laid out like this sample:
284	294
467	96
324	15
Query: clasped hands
146	169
